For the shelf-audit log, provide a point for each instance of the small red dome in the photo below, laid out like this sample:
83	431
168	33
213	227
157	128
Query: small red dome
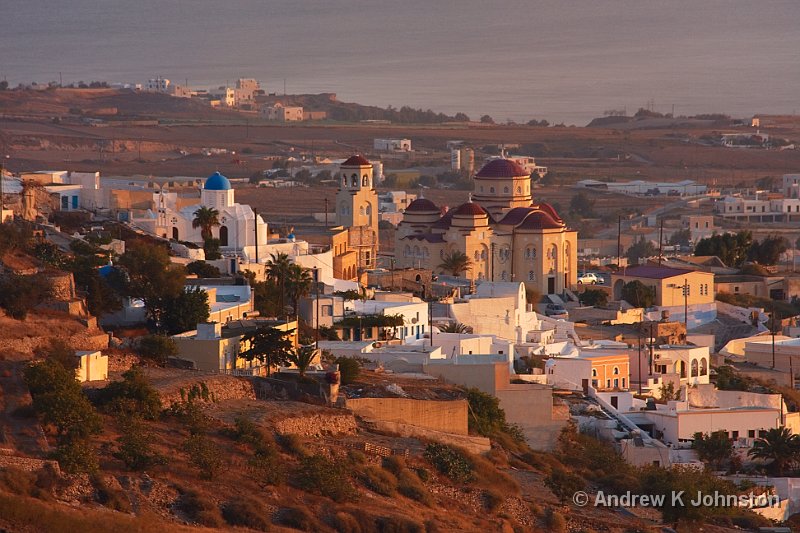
469	209
539	220
547	208
422	205
501	168
356	161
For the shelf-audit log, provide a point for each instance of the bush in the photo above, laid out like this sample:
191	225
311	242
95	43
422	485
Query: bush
410	486
379	480
157	348
114	499
133	446
325	477
563	484
20	294
488	418
488	475
204	455
76	456
394	464
555	521
245	513
200	509
201	269
21	482
449	462
293	444
133	395
297	518
267	468
350	368
594	298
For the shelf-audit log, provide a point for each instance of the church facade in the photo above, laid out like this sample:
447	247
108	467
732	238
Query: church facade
240	229
357	211
504	234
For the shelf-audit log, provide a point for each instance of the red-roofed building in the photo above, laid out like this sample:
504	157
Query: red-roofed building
505	236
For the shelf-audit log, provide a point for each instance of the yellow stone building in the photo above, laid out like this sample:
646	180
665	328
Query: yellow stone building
504	234
357	211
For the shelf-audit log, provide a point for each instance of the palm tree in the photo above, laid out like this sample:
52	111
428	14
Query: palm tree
270	346
778	444
298	284
455	327
277	271
302	358
456	262
205	218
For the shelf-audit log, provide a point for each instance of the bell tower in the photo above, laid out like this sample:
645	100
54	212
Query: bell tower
357	208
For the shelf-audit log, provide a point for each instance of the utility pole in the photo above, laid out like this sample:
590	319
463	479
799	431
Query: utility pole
640	361
661	242
316	313
2	201
491	263
772	330
392	260
686	305
619	240
326	211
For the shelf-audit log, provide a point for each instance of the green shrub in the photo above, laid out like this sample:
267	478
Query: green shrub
134	446
410	486
76	456
293	444
449	462
325	477
350	368
379	480
493	500
267	467
488	418
563	484
134	395
245	513
555	521
202	269
297	518
112	498
157	348
200	509
204	455
394	464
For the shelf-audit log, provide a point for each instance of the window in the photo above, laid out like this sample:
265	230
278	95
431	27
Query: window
519	190
491	190
623	383
616	383
531	276
616	371
608	383
175	234
505	190
365	181
594	372
327	310
751	433
354	180
735	435
223	235
503	276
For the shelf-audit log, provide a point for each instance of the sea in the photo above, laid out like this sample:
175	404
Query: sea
565	61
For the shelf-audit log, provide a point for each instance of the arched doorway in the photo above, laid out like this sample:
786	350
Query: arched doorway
175	234
223	235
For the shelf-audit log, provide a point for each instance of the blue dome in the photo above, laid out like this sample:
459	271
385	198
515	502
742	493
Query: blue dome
105	270
217	182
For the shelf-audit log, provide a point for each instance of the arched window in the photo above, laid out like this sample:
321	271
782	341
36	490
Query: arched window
567	251
407	251
491	190
505	190
416	251
554	256
477	255
175	234
594	372
483	255
616	371
425	252
344	180
533	253
223	235
361	210
441	253
531	276
354	180
694	368
365	181
703	366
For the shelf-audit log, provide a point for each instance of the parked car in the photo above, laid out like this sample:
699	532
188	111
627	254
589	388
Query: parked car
556	311
590	278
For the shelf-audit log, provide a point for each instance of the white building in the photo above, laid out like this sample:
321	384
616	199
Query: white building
791	185
413	310
92	366
680	365
759	208
392	145
157	85
282	113
240	230
526	162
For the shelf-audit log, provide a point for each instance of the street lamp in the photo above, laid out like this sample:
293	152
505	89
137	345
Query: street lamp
685	288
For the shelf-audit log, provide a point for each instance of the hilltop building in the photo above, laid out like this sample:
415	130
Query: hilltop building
504	234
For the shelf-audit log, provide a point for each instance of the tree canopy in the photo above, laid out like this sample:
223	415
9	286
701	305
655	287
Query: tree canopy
731	248
456	262
638	294
640	250
270	346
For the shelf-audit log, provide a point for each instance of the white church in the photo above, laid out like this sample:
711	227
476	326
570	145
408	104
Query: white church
240	232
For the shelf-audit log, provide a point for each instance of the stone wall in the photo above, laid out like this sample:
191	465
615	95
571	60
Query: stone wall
28	464
220	388
447	416
318	424
472	444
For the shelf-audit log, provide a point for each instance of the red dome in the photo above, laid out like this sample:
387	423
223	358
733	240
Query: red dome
547	208
356	161
469	209
501	168
539	220
421	205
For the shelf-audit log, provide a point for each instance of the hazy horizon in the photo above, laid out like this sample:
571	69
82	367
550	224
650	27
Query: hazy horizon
564	62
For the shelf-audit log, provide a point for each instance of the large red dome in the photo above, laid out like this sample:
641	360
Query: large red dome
421	205
469	209
501	169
